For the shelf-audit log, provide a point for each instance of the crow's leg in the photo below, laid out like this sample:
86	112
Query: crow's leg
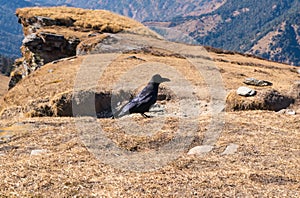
145	116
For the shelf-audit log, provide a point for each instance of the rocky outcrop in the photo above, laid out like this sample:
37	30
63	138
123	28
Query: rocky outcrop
55	33
48	47
264	100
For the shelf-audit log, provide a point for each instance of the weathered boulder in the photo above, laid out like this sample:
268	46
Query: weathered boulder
41	21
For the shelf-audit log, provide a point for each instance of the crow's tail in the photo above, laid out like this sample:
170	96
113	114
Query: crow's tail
120	113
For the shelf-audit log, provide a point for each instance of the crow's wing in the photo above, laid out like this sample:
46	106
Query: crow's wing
141	103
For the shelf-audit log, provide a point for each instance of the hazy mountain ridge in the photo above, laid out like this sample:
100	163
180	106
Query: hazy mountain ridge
241	26
10	31
145	10
247	26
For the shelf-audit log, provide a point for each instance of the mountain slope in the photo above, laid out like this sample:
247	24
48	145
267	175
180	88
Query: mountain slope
244	27
269	29
10	31
145	10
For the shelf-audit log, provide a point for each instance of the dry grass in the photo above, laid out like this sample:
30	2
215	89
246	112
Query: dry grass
77	22
3	88
55	78
95	19
235	68
3	85
52	79
235	102
266	164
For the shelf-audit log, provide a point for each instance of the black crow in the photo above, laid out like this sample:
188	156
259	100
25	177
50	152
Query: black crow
144	100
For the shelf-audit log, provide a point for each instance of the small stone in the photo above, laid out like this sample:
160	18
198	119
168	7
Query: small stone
245	91
290	112
230	149
38	152
93	34
198	150
255	82
282	111
287	112
298	70
134	57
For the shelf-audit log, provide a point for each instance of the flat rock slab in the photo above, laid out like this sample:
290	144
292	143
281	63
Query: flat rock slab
245	91
256	82
38	152
198	150
230	149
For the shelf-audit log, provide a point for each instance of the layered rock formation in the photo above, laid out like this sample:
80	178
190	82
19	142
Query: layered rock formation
56	32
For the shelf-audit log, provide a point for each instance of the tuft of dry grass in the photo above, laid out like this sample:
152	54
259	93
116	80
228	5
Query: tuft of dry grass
94	19
80	22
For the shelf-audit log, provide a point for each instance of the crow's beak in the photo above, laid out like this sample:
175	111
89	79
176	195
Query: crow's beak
165	80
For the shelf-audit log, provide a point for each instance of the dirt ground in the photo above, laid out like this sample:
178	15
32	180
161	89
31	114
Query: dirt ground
266	163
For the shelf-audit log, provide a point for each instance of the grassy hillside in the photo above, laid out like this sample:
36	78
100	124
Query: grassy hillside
265	163
48	150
